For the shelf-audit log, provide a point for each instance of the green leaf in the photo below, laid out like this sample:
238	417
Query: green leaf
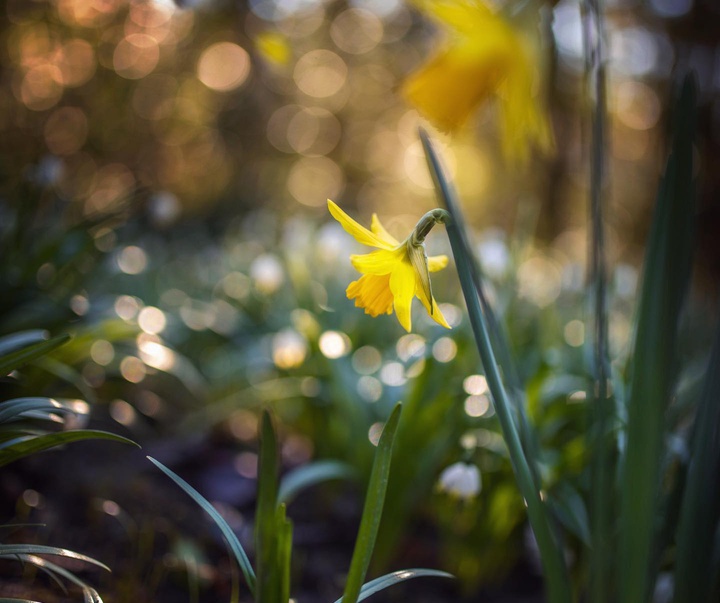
31	408
25	446
570	509
308	475
38	549
383	582
13	360
226	530
522	457
372	511
21	339
266	522
700	510
284	552
54	570
654	363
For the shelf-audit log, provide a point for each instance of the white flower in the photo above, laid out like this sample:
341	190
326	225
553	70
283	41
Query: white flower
461	480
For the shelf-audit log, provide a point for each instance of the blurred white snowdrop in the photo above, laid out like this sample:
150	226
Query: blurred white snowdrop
267	272
461	480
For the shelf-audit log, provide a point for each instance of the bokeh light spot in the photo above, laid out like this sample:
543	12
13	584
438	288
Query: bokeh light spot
356	31
320	73
223	66
312	180
444	349
152	320
334	344
136	56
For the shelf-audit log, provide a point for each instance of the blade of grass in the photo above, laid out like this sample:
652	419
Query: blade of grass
667	271
308	475
498	337
284	552
372	511
551	554
39	443
226	530
599	433
24	550
383	582
266	520
700	510
18	358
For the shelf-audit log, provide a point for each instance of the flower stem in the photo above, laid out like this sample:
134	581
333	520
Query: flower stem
551	554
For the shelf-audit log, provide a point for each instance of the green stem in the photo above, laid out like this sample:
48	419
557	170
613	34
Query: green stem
558	587
600	440
551	552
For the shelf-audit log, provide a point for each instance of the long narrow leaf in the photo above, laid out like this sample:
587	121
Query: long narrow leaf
266	522
284	552
54	570
26	446
700	510
372	511
309	475
551	553
19	408
654	365
13	360
21	339
383	582
38	549
232	540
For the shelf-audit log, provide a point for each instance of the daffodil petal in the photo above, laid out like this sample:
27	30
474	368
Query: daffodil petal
377	262
452	85
402	286
372	293
436	314
360	233
437	262
378	229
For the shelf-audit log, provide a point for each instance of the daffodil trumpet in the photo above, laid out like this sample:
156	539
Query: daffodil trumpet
396	272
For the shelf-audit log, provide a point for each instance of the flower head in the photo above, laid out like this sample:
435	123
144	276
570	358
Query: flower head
395	273
483	57
461	480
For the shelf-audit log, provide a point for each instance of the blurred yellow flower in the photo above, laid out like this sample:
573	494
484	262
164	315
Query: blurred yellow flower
394	274
482	57
273	47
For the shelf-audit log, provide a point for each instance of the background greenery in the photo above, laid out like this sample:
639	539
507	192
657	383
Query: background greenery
170	217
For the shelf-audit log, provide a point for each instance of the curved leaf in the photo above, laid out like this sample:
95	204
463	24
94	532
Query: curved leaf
9	362
15	550
372	511
308	475
25	446
378	584
229	535
30	408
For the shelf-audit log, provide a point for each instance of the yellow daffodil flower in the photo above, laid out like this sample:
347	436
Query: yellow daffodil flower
393	274
483	57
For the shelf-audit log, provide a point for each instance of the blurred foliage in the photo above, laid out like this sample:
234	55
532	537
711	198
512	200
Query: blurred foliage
164	176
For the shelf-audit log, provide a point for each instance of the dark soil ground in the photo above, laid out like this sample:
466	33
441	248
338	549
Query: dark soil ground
107	501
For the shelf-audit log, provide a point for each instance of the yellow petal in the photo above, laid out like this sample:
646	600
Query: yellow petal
380	231
462	15
452	85
436	314
437	262
377	262
273	47
372	293
402	286
360	233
